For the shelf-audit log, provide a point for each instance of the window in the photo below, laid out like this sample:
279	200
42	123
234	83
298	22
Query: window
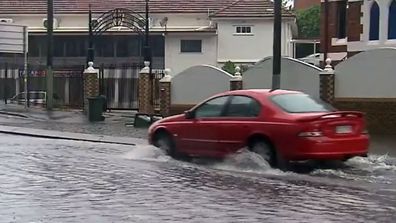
243	29
300	103
211	108
59	46
341	15
374	22
392	21
75	46
104	46
191	46
242	106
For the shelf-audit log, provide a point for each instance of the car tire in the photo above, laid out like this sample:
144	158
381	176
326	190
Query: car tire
165	142
263	149
270	155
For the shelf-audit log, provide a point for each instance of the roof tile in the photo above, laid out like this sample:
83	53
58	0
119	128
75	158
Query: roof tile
228	8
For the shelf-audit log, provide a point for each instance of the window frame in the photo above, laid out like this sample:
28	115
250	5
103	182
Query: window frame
391	29
236	33
228	98
342	33
329	107
374	34
242	117
190	51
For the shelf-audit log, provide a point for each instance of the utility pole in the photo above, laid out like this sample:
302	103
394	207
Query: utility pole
326	32
50	43
276	66
91	52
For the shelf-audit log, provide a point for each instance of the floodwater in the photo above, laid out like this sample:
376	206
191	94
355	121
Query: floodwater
44	180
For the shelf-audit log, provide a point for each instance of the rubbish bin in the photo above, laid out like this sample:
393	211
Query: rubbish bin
142	120
145	120
95	109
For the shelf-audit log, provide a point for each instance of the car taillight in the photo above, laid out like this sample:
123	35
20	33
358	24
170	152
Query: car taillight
311	134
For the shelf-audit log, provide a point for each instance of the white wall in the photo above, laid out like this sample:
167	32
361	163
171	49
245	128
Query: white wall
295	75
178	61
250	48
369	74
198	83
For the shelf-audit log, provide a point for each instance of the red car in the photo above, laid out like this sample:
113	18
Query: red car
279	125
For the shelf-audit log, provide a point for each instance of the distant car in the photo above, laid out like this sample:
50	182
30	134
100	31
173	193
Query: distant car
279	125
35	98
313	59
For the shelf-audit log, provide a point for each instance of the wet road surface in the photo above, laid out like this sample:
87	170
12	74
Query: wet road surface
45	180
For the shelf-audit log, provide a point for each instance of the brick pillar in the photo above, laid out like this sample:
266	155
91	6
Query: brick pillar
327	83
145	90
236	83
91	84
165	97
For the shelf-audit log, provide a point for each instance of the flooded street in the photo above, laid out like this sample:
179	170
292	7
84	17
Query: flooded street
46	180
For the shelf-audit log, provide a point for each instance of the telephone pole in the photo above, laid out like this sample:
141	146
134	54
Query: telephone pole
50	43
276	59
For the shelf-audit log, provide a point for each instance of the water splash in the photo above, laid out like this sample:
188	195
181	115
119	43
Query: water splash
373	163
147	153
245	162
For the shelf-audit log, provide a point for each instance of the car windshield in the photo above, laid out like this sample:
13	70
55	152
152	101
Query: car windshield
300	103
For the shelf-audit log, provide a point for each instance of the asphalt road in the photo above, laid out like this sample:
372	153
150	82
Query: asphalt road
46	180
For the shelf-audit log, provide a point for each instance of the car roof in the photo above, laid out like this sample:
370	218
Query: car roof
262	92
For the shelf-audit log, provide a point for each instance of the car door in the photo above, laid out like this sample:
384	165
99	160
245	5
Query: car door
241	115
200	135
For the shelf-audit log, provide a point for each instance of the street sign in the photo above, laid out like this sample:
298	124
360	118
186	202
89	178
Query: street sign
13	38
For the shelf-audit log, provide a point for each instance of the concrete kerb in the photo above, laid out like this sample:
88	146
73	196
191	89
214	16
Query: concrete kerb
13	114
39	133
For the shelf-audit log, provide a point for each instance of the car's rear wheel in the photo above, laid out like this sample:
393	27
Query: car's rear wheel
269	154
265	150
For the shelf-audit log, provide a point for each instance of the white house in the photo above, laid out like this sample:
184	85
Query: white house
182	33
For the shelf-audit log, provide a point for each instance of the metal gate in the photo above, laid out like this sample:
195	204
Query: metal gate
120	85
68	83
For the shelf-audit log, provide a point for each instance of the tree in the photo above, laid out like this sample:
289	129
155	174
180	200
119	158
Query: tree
230	66
308	22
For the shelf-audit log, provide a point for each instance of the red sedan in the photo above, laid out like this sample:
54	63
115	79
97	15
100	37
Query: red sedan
279	125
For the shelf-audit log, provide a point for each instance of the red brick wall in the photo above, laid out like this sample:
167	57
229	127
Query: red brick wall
304	4
354	26
332	28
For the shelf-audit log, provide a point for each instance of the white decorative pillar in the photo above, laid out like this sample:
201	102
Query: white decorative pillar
236	83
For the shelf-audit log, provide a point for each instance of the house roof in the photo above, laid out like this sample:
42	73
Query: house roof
249	8
216	8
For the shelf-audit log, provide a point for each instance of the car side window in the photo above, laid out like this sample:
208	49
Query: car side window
242	106
211	108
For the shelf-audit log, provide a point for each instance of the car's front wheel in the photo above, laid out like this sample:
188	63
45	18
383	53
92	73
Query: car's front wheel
165	143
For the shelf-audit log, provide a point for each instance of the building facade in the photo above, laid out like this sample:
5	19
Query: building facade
305	4
358	25
182	33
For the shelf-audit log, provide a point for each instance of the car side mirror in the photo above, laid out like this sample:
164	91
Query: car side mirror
188	114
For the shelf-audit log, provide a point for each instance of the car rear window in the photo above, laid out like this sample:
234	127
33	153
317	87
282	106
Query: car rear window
300	103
